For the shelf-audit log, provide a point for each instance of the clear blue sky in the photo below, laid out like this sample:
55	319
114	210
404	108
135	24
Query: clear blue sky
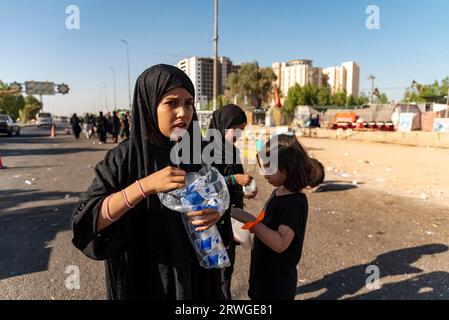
412	44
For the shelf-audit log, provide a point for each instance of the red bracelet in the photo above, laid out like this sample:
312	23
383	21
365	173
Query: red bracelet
144	196
126	200
108	213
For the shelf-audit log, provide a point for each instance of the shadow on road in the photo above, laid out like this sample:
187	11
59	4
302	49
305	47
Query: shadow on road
433	285
330	186
45	152
26	233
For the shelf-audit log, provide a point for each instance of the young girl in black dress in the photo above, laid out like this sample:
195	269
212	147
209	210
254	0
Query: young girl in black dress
280	229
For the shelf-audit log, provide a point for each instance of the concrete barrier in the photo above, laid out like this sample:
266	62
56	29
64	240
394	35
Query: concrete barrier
414	138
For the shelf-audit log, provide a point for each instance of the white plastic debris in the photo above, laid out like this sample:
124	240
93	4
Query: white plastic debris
17	176
354	182
389	169
28	182
345	175
423	196
430	233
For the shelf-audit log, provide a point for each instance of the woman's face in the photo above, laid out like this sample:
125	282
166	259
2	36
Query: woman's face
175	111
233	134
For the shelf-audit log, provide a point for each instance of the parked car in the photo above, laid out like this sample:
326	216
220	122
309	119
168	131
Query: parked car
45	120
8	125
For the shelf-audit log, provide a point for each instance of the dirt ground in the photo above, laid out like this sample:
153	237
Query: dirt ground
415	172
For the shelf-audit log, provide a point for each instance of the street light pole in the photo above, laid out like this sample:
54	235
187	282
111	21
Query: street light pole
115	88
129	73
215	93
106	96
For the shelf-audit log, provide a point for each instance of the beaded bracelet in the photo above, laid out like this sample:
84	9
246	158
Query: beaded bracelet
126	200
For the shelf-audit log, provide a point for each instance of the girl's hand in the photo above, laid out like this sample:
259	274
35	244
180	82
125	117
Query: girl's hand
165	180
242	216
252	195
243	179
204	219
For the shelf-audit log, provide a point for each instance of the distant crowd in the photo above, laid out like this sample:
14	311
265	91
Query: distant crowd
115	124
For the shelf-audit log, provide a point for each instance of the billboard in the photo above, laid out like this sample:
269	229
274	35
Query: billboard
40	88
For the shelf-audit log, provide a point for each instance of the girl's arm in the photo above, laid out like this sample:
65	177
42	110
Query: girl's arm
118	204
278	241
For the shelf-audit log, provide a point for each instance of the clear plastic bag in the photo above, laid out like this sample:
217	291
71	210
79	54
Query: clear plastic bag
205	189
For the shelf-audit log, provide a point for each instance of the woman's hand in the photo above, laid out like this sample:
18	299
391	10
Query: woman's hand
242	216
252	195
204	219
165	180
243	179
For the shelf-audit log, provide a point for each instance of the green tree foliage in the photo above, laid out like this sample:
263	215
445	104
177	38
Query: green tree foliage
310	95
252	82
430	92
31	109
11	103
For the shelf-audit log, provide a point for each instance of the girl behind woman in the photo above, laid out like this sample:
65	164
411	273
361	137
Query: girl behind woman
227	120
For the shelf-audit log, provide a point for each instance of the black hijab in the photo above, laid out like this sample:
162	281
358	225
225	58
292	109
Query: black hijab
224	119
146	139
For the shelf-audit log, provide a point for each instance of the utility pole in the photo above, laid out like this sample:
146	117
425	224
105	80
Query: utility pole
215	93
129	73
372	78
447	107
105	96
115	88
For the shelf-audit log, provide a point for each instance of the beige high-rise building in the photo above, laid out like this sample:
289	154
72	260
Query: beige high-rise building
201	72
346	77
300	72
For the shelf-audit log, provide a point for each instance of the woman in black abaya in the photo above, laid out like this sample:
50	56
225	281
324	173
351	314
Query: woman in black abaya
226	120
147	250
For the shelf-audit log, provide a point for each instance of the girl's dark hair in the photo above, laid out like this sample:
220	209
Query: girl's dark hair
293	160
316	172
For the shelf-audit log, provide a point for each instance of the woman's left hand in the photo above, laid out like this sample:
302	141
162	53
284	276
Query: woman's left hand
251	196
204	219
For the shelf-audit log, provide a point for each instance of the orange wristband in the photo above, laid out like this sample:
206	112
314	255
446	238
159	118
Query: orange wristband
251	225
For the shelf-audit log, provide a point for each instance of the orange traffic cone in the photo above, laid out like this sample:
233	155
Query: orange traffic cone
53	131
1	164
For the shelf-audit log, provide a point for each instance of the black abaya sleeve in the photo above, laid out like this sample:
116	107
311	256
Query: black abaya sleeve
110	241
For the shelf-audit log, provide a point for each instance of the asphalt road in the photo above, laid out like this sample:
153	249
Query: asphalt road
350	228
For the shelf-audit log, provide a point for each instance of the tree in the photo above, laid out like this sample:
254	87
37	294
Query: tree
351	101
31	109
11	103
324	96
339	98
434	92
295	97
362	99
252	82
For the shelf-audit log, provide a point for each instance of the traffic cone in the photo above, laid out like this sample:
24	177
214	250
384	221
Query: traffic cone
53	131
1	164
